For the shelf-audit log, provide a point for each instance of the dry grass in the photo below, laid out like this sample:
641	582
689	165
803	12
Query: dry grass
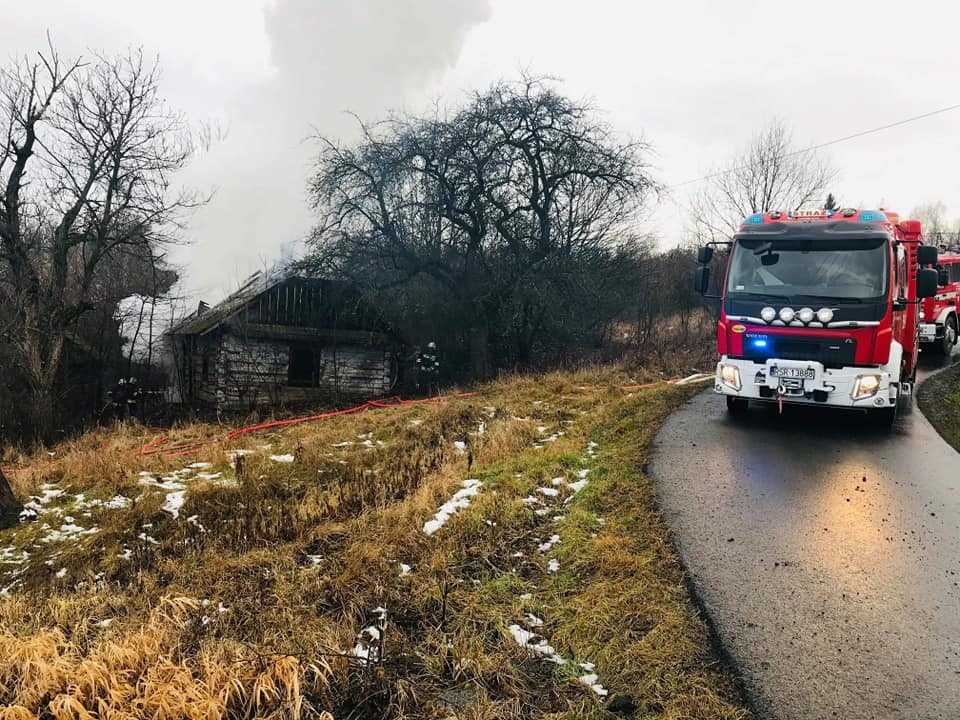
939	397
249	604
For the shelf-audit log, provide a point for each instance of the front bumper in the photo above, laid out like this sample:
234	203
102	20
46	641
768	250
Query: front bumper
821	386
931	332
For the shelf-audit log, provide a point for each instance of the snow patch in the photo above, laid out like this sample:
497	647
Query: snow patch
67	531
536	644
592	681
8	555
539	645
37	503
118	502
174	501
147	539
460	500
369	642
548	545
577	486
282	458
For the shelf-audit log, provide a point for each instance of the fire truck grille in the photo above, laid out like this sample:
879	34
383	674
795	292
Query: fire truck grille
833	353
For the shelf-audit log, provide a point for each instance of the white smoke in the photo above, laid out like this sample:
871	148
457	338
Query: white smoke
329	59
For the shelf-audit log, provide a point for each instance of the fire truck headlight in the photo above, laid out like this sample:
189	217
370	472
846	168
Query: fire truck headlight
824	315
768	314
730	375
787	314
806	315
865	386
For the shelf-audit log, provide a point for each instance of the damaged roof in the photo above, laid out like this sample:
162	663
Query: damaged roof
205	318
321	307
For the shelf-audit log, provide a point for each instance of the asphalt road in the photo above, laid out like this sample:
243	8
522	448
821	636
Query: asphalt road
826	554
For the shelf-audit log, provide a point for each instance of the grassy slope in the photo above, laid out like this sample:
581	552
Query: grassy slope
939	399
249	602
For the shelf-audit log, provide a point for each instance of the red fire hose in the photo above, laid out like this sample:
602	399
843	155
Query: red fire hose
157	445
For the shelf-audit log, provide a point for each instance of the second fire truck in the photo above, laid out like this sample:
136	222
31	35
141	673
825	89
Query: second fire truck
939	315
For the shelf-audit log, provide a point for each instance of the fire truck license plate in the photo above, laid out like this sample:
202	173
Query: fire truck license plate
792	372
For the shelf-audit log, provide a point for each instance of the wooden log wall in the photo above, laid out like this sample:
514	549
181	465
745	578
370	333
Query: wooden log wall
253	371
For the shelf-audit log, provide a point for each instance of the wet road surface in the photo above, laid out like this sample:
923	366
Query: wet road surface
826	553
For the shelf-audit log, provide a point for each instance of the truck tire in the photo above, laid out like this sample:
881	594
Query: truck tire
737	406
945	346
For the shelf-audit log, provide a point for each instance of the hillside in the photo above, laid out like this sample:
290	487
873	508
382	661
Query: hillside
492	556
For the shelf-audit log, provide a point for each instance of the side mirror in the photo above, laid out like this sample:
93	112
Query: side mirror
701	279
927	255
942	278
926	283
704	254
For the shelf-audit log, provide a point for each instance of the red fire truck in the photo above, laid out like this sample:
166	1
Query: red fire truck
821	308
939	315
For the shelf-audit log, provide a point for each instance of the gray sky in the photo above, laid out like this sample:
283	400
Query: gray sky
696	79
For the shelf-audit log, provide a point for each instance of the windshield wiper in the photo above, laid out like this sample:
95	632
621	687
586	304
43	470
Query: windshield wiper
830	298
760	296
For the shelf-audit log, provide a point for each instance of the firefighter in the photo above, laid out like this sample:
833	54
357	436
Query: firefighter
122	398
428	368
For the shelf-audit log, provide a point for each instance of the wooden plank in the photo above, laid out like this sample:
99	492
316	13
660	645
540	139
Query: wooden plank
286	332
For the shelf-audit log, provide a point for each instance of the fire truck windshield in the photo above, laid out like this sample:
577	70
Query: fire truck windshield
836	271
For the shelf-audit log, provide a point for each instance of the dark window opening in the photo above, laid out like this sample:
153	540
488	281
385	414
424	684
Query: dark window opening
304	365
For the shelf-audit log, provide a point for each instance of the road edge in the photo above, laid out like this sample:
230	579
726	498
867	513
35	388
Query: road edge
725	659
923	399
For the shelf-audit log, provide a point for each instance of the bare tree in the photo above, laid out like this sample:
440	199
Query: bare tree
89	148
512	217
769	174
9	505
936	225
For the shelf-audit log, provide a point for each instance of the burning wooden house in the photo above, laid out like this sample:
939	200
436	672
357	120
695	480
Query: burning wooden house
283	340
